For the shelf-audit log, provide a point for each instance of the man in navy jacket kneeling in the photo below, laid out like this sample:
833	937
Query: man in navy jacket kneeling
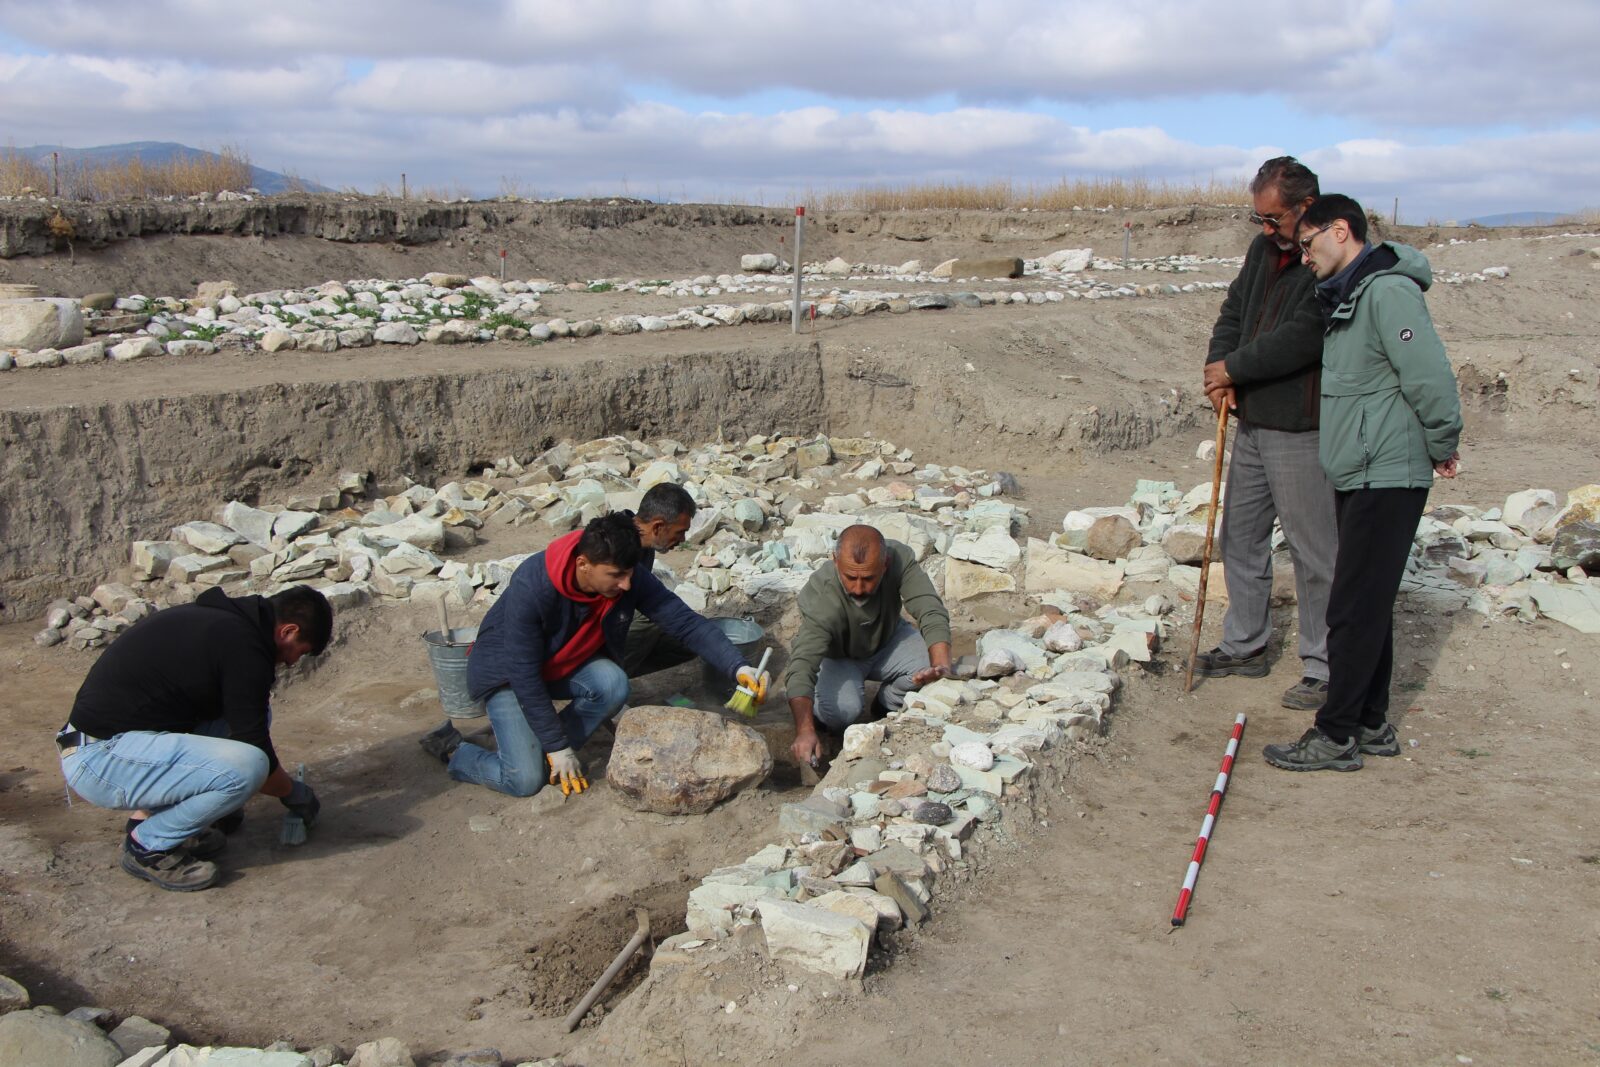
558	632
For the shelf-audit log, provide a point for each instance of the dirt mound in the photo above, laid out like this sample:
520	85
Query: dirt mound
560	968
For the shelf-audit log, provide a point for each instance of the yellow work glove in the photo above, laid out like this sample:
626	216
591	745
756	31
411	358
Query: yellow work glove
757	683
566	771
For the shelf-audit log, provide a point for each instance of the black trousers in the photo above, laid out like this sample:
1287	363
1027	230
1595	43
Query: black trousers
1376	528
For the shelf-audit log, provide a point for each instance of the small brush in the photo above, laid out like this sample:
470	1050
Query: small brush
743	700
294	827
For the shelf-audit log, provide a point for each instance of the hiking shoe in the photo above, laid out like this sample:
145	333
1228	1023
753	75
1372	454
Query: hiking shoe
1308	694
202	846
174	869
1315	751
1220	664
1380	742
442	743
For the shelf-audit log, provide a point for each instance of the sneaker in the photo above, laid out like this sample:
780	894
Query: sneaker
1380	742
1220	664
1315	751
442	743
1308	694
174	869
202	846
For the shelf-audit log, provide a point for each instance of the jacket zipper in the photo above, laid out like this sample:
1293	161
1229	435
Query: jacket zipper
1366	452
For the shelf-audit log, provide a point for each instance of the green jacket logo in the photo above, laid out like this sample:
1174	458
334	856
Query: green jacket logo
1406	335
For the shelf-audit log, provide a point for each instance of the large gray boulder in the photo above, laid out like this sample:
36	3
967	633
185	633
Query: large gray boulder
682	761
39	1038
990	267
1577	544
49	322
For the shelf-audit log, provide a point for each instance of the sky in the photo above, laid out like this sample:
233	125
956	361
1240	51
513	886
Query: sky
1459	108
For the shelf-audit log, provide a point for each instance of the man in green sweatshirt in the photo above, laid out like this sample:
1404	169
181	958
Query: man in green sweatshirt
851	632
1391	420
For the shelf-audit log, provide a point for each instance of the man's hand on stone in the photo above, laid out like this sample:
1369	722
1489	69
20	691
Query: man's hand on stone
807	748
566	771
929	674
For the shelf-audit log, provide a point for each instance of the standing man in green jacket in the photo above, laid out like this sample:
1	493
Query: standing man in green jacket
1391	419
851	633
1265	355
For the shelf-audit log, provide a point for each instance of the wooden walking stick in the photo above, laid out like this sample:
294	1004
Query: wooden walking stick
1205	558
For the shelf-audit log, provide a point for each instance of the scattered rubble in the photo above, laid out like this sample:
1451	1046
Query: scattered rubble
453	309
43	1036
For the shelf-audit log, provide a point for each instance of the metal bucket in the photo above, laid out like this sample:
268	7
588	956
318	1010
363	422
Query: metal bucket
746	635
447	655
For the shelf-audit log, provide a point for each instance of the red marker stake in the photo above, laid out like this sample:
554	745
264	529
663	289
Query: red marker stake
1181	912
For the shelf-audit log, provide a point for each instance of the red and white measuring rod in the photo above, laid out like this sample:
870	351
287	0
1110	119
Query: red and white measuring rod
1181	912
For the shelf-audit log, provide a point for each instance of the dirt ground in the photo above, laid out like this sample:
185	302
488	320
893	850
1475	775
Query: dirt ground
1441	905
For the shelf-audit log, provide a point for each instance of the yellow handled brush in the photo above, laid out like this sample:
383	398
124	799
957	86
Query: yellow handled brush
744	698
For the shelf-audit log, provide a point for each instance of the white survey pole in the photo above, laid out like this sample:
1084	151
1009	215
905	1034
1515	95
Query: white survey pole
799	249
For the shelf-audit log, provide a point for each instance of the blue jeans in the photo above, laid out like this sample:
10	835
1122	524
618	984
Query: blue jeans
186	781
841	694
595	691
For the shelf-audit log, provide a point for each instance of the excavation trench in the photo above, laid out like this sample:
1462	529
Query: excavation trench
514	934
129	455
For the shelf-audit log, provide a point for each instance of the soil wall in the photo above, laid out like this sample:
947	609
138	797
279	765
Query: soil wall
79	482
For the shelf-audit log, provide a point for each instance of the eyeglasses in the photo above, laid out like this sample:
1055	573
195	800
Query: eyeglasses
1275	221
1305	242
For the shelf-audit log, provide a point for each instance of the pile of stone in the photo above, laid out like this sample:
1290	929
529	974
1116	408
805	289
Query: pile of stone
361	541
443	308
1533	556
1456	277
771	509
909	798
95	1037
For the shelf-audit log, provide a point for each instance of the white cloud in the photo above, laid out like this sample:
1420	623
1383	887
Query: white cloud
573	97
468	87
1462	62
1554	171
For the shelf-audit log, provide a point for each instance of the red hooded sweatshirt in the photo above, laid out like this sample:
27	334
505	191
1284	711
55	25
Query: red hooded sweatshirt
561	566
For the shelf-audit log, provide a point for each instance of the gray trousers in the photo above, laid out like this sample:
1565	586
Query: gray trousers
841	695
1275	474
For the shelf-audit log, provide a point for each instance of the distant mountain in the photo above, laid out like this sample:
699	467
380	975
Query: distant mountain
158	152
1521	218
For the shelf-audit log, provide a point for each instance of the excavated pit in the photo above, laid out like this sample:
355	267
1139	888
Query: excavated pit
141	449
492	936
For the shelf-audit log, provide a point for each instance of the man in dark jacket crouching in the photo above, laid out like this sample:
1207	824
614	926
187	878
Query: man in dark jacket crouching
173	724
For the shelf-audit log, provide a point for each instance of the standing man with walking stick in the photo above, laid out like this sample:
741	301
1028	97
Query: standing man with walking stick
1265	363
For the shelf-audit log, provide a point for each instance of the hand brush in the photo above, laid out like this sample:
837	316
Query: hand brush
744	698
293	831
